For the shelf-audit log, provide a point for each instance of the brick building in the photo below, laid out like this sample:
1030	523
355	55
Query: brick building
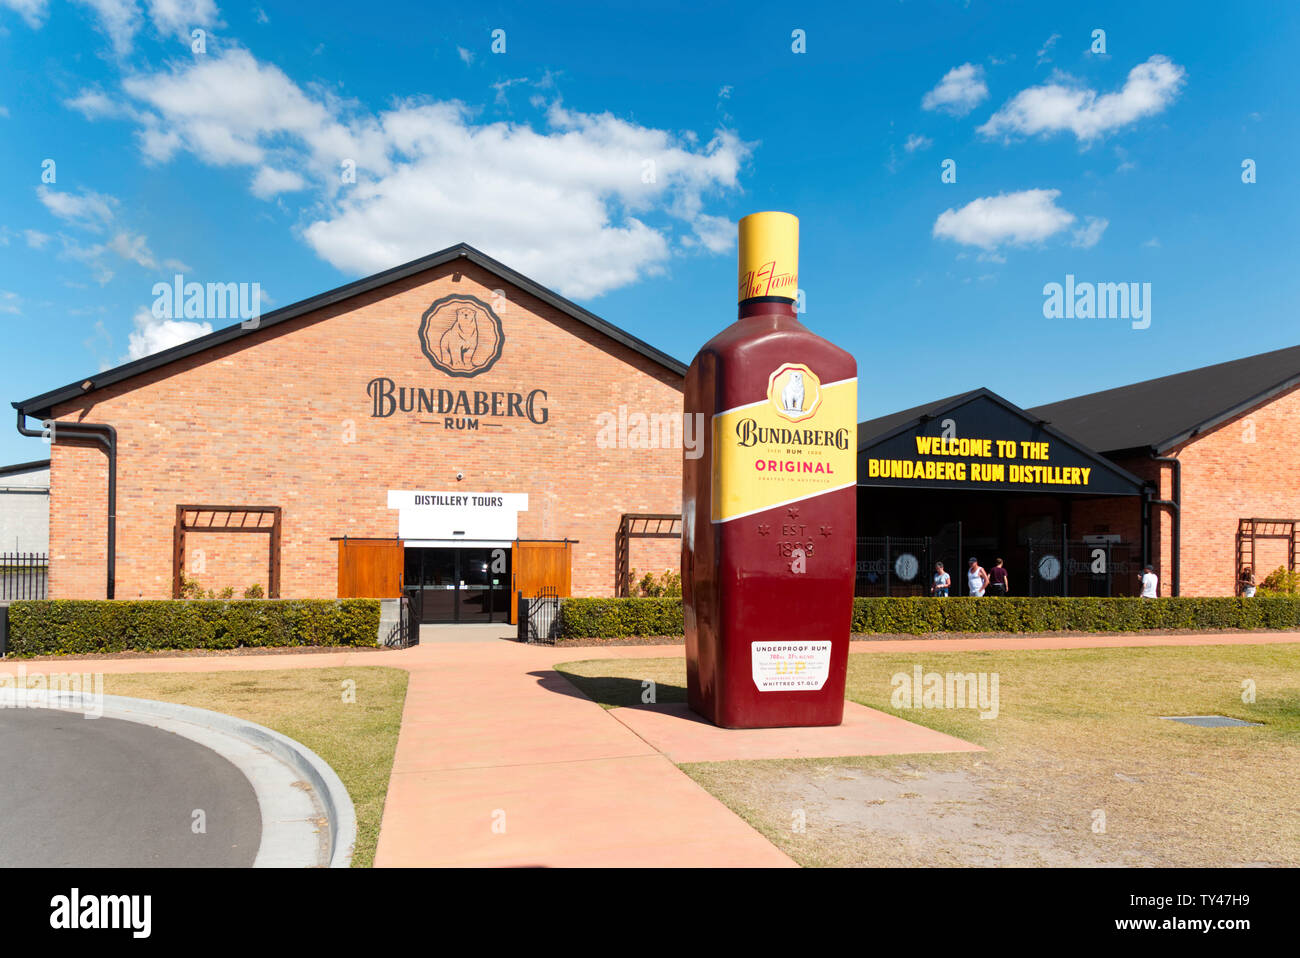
446	425
1220	446
1202	479
452	427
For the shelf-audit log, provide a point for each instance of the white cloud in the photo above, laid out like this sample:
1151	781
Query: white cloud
501	86
179	17
152	335
32	11
134	247
917	142
586	203
92	256
1047	47
95	105
269	181
9	303
466	56
36	239
86	208
1053	107
1088	235
120	20
960	91
1029	216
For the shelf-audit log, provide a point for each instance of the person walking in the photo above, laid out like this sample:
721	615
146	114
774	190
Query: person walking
998	579
942	582
1150	582
977	578
1247	582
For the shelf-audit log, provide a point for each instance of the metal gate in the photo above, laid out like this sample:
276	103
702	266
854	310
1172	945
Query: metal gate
408	622
1084	567
894	565
539	617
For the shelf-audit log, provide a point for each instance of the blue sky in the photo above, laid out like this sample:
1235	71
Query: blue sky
1122	166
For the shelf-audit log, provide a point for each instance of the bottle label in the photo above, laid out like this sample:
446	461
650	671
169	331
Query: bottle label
798	442
790	666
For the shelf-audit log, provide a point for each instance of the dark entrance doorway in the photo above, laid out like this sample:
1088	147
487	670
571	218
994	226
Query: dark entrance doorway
460	584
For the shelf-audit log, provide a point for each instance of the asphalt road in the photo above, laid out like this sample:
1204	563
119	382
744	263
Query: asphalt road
106	792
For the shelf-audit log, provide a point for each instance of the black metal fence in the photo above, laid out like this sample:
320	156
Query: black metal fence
1055	566
1084	567
539	617
894	565
24	575
409	618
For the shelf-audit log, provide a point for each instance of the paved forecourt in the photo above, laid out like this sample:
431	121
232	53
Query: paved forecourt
501	761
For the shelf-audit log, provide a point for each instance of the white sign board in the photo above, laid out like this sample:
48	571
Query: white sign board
425	514
790	666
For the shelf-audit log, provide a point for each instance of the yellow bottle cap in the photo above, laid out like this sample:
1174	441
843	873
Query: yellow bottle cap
769	256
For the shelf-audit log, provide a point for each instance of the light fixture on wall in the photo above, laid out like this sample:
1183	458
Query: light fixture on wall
459	475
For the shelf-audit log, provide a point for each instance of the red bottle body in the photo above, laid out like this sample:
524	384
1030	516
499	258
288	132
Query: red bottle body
770	523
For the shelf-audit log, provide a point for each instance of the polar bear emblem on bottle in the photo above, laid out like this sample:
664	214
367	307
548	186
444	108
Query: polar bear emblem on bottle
792	394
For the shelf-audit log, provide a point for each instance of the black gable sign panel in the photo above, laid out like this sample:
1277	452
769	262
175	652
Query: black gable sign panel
981	442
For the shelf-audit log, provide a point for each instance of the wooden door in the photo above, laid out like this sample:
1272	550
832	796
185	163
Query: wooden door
370	568
537	565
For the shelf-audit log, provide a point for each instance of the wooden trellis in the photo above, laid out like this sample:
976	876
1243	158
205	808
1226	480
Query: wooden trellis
639	525
224	519
1248	530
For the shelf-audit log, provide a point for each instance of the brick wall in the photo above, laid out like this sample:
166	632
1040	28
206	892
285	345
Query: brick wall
1242	469
282	417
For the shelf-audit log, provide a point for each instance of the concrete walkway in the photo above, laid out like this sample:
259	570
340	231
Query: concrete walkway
501	762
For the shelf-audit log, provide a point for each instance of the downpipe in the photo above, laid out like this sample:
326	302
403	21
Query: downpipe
1175	508
104	436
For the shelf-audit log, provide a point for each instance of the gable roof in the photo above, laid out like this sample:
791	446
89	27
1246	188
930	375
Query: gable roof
21	467
1159	414
872	430
39	405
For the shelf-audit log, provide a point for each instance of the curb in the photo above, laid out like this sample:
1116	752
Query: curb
302	827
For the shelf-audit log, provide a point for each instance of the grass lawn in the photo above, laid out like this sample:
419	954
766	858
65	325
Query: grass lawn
357	739
1079	768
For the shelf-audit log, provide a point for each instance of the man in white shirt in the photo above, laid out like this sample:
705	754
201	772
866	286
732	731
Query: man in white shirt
1150	583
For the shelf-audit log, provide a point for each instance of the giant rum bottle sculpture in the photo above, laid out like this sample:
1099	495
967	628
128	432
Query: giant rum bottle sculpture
770	508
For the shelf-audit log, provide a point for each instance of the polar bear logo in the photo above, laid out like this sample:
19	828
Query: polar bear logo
458	343
792	394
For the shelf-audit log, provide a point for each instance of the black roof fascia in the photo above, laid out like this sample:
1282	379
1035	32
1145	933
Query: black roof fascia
44	402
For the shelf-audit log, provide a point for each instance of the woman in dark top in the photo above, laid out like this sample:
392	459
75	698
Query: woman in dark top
998	579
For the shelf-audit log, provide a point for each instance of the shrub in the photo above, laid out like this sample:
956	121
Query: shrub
665	585
1281	581
73	626
609	618
615	618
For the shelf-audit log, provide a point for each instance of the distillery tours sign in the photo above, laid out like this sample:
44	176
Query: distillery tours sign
441	515
461	336
985	443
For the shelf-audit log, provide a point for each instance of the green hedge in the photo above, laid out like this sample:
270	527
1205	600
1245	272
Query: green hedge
614	618
917	616
73	626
